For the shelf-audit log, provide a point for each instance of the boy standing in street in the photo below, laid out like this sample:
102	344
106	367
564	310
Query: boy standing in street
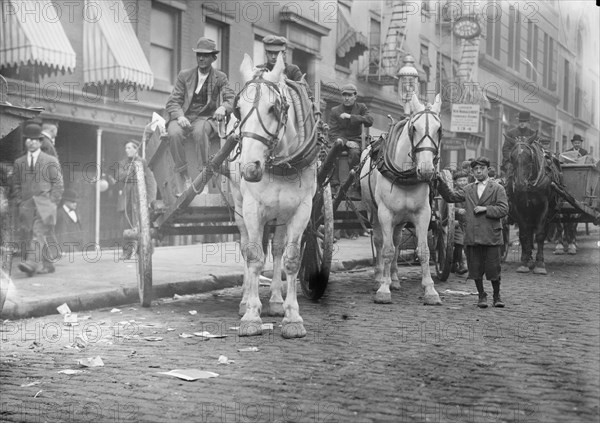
485	205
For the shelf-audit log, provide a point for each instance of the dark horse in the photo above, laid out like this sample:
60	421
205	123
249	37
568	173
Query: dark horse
532	200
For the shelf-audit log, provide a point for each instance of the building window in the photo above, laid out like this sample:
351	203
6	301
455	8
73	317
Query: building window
374	46
342	28
577	103
532	50
219	32
511	36
566	81
551	79
545	65
164	43
593	105
494	27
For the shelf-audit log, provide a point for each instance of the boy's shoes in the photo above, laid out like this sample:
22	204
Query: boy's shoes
498	301
482	301
26	268
48	268
461	269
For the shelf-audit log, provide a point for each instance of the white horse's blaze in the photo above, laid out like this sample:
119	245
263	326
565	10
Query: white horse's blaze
286	200
392	206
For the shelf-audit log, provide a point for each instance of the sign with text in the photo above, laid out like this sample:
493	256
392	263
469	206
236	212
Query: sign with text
465	118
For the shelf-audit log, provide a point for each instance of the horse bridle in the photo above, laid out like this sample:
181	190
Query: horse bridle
281	112
415	147
529	181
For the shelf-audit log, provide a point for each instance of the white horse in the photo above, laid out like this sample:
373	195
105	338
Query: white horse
412	157
268	135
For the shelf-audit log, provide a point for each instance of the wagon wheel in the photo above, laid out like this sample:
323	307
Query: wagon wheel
317	246
443	233
141	225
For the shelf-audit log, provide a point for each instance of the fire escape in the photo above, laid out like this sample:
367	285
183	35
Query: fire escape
386	59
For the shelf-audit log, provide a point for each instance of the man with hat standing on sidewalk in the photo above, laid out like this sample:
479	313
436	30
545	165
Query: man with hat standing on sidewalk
274	45
577	142
523	130
38	188
68	223
485	204
200	98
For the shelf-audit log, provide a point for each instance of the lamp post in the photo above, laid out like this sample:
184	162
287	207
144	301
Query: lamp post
409	82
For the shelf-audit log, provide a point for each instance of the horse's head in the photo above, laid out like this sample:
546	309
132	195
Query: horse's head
524	162
425	134
262	109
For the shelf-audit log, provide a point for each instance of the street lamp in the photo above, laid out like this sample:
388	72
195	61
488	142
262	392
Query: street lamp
409	82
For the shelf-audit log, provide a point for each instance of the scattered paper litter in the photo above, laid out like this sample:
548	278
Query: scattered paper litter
70	319
64	309
205	334
91	362
37	382
71	371
193	312
79	343
248	349
190	374
186	335
115	310
153	338
451	292
224	360
38	392
87	317
264	281
170	329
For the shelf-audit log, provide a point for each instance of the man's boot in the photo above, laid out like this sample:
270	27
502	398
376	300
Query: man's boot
482	303
497	300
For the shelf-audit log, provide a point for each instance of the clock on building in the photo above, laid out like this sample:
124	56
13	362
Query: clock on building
466	27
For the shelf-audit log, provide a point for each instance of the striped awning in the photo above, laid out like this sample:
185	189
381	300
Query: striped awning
33	35
111	51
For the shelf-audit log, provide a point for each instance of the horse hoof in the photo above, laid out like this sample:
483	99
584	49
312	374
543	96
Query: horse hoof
276	309
523	269
376	286
242	309
394	277
383	297
395	285
432	300
571	250
539	271
250	328
293	330
559	252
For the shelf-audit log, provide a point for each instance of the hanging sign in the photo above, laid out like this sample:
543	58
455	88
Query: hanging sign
465	118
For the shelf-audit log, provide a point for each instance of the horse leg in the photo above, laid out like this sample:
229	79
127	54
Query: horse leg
525	239
276	300
430	295
251	323
243	242
558	238
383	294
378	241
570	235
292	324
540	237
395	285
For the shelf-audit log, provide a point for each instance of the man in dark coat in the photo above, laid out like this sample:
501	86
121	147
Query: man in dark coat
346	122
49	133
485	205
200	98
38	188
577	142
521	131
273	46
68	223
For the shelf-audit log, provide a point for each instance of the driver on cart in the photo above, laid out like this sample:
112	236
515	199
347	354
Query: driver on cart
200	98
521	131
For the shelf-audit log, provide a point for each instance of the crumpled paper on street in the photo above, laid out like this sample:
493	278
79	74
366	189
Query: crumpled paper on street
224	360
91	362
465	293
190	374
205	334
64	309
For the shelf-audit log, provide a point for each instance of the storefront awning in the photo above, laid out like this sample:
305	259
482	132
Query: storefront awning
111	50
351	43
31	33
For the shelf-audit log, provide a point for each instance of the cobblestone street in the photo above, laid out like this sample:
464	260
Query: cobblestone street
534	361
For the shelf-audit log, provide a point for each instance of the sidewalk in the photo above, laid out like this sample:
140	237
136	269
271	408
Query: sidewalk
87	282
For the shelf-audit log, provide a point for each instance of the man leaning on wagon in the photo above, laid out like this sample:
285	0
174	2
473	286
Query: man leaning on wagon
38	188
200	98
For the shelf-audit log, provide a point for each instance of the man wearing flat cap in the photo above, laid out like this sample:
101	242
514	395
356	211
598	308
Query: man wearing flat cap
38	188
485	204
577	142
521	131
275	44
200	98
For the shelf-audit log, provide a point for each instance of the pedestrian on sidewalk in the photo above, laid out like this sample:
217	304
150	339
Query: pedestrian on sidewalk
68	223
485	204
461	179
38	188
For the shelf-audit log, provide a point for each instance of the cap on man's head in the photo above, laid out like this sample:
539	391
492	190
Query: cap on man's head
349	88
70	195
577	137
524	116
135	142
31	129
275	43
206	46
480	161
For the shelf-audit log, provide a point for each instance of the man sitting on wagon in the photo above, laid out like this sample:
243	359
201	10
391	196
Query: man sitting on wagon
200	98
521	131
